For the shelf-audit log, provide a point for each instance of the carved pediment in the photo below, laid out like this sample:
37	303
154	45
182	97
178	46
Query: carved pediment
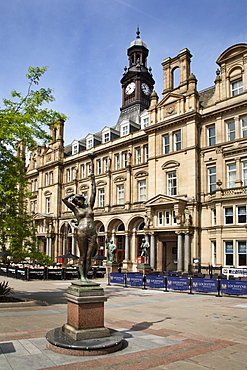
84	187
119	179
170	165
100	183
69	190
162	199
42	216
141	174
236	148
170	100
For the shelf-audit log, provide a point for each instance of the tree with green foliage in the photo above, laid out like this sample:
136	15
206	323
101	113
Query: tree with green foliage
23	122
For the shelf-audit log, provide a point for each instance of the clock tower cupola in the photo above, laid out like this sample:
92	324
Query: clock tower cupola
137	81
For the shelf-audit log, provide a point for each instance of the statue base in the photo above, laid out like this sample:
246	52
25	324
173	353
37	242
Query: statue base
84	333
144	268
127	266
112	267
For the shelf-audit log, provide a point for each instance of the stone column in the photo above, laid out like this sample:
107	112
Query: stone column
180	252
127	249
152	251
73	244
186	251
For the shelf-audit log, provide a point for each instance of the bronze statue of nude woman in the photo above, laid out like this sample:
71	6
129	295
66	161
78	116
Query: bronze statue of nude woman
84	225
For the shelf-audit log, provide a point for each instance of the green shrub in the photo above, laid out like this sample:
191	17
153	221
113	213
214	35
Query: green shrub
5	290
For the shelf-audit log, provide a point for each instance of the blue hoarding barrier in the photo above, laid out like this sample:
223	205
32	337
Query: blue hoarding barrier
157	282
236	287
204	285
117	278
134	280
177	283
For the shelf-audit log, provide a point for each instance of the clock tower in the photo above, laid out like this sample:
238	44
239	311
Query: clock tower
137	81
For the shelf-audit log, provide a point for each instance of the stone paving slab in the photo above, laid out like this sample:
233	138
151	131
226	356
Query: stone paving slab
162	330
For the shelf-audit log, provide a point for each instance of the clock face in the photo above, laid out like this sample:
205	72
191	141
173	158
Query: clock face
145	89
130	88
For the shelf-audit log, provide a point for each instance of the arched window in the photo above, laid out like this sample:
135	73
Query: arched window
141	226
101	229
121	227
175	77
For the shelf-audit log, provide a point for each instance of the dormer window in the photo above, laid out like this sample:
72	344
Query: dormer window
75	149
125	130
145	122
106	137
236	87
89	143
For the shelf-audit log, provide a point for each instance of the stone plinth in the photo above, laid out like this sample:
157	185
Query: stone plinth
84	333
112	267
144	268
85	314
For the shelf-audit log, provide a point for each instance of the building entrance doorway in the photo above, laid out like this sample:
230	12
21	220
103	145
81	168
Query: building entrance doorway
120	248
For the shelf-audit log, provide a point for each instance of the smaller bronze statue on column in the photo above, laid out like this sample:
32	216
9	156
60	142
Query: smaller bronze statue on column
85	231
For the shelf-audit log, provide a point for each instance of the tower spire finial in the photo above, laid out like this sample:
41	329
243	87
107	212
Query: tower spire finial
138	33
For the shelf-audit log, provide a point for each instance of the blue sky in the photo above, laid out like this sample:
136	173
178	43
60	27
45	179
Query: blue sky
84	44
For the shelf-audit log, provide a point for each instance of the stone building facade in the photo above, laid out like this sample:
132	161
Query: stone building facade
172	170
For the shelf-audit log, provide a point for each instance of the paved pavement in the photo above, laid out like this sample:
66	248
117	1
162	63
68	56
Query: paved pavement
162	330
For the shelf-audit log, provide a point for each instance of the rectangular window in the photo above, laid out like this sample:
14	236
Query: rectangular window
172	183
101	197
174	218
99	166
213	216
229	253
89	143
242	253
166	144
214	253
211	136
145	148
120	194
145	122
231	175
244	127
47	205
160	218
167	218
46	179
177	141
138	156
229	215
237	87
105	164
241	214
51	177
68	175
142	191
75	149
244	166
74	173
117	161
106	137
125	159
82	171
230	131
125	130
212	179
